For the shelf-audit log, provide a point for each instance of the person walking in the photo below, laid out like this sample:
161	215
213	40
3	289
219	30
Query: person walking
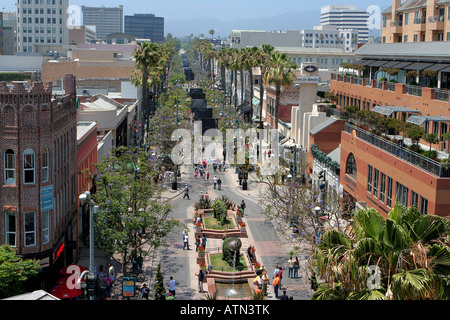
101	283
284	296
204	242
186	191
296	266
290	264
145	291
112	273
207	176
219	183
201	277
276	285
215	181
108	286
197	242
280	274
172	286
185	240
243	207
265	282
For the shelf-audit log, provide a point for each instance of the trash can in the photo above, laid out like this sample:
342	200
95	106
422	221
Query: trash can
174	185
244	185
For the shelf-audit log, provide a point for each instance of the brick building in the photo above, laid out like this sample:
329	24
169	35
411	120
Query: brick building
38	171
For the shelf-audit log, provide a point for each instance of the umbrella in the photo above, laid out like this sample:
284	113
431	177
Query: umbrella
63	292
73	268
68	280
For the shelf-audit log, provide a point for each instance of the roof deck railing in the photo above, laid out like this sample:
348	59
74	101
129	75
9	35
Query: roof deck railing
441	170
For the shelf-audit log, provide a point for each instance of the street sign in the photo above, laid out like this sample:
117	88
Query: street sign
128	287
307	79
47	198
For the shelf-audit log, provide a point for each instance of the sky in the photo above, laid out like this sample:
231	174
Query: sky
227	10
213	12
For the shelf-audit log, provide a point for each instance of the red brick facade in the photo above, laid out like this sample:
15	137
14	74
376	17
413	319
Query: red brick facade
35	120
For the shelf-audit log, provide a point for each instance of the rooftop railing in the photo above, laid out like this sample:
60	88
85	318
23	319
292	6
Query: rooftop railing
441	170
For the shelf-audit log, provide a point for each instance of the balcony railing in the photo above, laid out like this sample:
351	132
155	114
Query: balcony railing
419	21
442	95
441	170
390	86
436	19
396	23
379	84
357	81
413	90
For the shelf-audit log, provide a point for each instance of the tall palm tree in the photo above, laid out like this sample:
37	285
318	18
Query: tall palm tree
235	64
280	74
250	63
211	32
410	250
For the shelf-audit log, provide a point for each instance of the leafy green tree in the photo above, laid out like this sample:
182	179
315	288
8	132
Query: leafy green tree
415	133
14	271
132	215
408	250
431	138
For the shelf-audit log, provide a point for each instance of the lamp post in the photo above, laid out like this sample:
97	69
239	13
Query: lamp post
86	195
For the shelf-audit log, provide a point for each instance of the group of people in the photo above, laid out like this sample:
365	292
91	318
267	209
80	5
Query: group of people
105	281
293	266
145	290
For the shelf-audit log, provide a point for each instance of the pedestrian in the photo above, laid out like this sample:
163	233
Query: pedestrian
284	296
207	176
108	286
275	272
186	191
197	243
172	286
140	261
265	282
144	291
201	277
243	207
206	197
170	297
201	195
215	181
204	242
219	183
101	283
290	264
195	173
276	285
280	274
186	241
112	273
296	266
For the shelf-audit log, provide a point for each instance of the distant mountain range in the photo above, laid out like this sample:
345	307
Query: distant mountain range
288	21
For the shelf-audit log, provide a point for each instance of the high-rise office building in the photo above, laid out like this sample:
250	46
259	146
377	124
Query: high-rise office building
42	26
106	20
8	29
346	17
145	26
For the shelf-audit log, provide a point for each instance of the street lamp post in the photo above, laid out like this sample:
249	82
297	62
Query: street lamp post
86	195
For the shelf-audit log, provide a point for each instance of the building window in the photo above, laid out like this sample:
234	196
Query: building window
402	194
382	186
45	161
414	199
350	168
45	227
30	229
423	205
28	166
369	179
415	38
10	167
389	192
406	19
10	228
376	177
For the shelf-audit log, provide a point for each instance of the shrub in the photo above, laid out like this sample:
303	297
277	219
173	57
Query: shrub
220	211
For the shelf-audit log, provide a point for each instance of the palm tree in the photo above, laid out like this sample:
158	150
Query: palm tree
147	56
250	63
280	74
211	32
262	58
235	64
409	249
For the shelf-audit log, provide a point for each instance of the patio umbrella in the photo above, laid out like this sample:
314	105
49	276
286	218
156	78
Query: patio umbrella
63	292
66	280
73	268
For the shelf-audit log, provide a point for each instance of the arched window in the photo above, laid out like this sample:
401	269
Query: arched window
350	167
29	166
10	167
45	166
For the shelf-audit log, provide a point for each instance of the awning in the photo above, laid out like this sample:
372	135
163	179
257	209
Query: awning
402	65
390	64
245	108
255	101
389	110
378	63
445	69
419	66
419	120
438	66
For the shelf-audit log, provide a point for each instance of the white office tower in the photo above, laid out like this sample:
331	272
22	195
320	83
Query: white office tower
42	26
347	17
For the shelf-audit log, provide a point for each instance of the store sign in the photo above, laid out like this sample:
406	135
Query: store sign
47	198
308	79
128	287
